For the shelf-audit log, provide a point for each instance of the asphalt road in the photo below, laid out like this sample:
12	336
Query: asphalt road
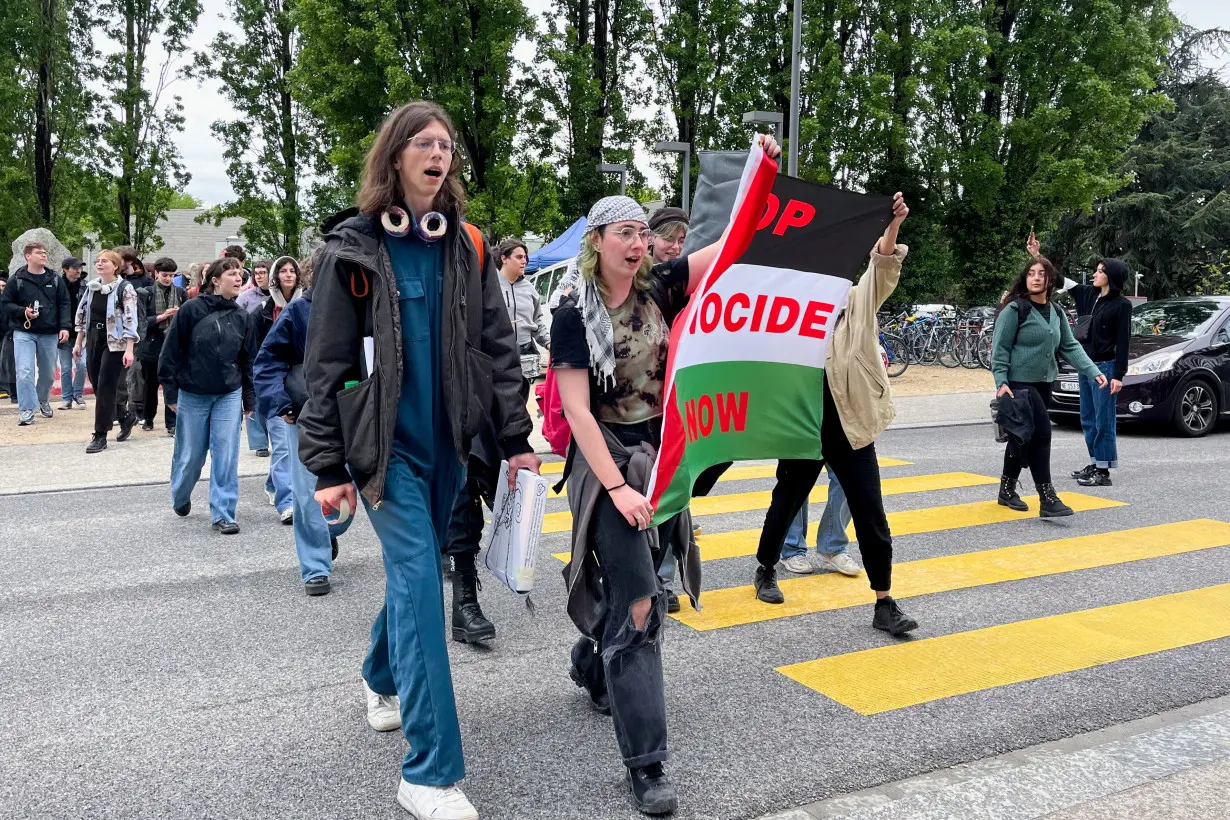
150	668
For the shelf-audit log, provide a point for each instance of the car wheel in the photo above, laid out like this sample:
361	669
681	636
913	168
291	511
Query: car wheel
1195	409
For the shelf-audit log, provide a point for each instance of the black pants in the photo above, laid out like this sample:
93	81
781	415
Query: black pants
1037	453
858	472
627	660
149	371
106	371
465	530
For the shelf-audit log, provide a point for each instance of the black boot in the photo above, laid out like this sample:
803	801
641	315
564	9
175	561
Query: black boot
470	625
652	790
1049	505
1008	496
126	425
97	444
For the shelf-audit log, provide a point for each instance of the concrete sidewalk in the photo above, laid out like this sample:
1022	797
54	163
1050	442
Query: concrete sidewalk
58	464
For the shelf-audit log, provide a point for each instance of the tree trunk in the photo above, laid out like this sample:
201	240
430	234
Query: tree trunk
292	226
44	162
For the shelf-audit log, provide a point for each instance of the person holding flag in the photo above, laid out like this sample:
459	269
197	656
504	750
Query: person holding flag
610	341
857	408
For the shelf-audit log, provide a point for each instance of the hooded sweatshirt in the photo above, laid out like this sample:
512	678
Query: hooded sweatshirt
272	307
525	312
209	349
1110	329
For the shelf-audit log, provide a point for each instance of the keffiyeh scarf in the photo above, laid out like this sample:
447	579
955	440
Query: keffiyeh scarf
599	334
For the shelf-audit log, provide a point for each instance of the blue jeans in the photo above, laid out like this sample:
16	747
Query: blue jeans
72	384
207	424
408	655
1098	418
29	350
312	533
279	480
258	436
831	538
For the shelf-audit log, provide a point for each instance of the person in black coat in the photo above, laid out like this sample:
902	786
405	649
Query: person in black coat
162	301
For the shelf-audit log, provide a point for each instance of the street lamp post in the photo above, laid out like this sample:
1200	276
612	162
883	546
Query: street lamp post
771	118
685	149
1136	289
796	57
616	168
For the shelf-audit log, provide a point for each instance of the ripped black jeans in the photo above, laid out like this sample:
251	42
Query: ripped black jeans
627	660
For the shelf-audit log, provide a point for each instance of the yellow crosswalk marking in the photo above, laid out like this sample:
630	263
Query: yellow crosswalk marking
759	500
908	522
552	468
747	473
906	674
736	606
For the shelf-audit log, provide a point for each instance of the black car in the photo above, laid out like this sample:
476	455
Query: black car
1178	367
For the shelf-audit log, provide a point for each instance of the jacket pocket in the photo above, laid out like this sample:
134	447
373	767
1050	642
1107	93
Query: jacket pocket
481	369
876	382
358	408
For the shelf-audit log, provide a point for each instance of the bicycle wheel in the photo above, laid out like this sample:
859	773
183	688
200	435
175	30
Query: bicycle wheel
897	352
969	353
985	340
947	352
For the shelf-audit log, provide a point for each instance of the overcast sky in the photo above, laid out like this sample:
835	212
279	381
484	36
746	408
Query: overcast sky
203	104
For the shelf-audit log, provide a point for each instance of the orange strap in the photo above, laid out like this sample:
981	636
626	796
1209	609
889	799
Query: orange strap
476	236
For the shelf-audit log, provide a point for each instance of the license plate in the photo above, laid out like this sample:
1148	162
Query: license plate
1070	387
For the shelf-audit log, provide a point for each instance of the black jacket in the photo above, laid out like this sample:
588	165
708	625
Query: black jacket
209	349
355	294
48	288
1110	328
151	344
75	289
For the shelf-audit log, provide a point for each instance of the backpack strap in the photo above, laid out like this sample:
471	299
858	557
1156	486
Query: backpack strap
480	245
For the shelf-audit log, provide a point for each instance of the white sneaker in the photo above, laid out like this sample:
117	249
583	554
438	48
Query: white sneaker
273	498
383	711
799	565
435	803
841	562
288	515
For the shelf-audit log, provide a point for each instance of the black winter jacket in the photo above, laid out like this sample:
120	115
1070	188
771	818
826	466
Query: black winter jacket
209	349
151	345
1110	329
355	295
48	288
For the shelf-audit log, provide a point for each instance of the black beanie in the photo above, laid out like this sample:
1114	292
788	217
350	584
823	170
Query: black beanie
1117	272
664	215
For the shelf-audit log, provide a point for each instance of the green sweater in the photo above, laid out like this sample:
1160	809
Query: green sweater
1032	358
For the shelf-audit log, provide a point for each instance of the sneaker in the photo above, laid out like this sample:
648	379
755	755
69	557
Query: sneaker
67	405
767	589
333	544
891	619
672	601
97	445
273	498
1087	470
170	432
652	790
147	426
183	511
799	565
435	802
1099	478
383	711
839	562
317	585
226	527
262	452
45	409
26	417
696	530
80	402
287	515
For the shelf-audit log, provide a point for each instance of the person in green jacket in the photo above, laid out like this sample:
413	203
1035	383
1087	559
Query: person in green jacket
1029	330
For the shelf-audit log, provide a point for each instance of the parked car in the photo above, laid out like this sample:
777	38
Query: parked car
1178	367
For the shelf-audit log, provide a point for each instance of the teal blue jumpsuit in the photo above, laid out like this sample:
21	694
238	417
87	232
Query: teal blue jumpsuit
409	652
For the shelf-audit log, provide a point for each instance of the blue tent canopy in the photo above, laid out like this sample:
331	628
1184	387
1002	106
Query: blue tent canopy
560	249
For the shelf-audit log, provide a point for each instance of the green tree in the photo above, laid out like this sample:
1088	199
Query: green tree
181	200
268	148
141	123
360	59
1171	222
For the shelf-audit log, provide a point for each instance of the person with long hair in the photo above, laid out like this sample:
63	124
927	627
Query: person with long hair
1029	331
206	363
409	354
610	340
106	325
284	288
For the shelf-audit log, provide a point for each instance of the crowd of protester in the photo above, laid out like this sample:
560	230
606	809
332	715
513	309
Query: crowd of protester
391	367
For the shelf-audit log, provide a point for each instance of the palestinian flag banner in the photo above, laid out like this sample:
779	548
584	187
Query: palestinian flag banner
746	365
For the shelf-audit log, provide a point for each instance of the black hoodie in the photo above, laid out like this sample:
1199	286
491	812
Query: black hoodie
48	288
1110	328
209	349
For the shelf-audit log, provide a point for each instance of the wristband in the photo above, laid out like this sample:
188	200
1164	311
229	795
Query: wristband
616	487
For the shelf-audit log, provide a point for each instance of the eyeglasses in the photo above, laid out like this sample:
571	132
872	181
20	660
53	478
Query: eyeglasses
425	144
628	234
